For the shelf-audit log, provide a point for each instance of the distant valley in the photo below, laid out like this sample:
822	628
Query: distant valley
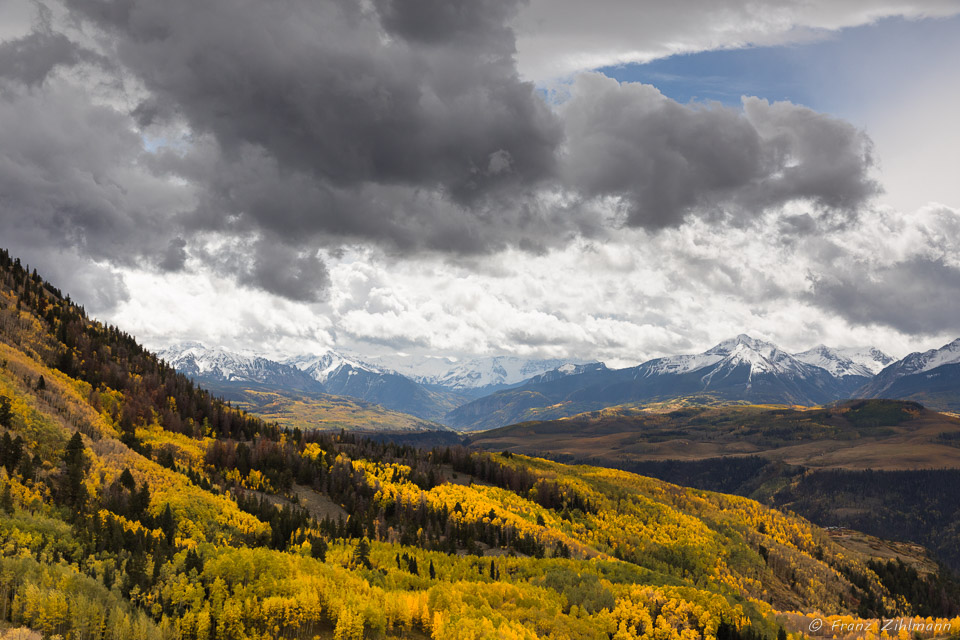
883	435
884	467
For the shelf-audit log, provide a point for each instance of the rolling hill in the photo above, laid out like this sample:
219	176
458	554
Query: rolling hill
890	468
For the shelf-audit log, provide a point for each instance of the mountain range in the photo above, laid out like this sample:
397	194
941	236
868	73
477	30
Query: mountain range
429	389
486	393
742	369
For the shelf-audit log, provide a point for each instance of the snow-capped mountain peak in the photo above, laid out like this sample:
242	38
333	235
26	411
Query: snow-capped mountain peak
920	362
850	361
743	343
197	360
915	374
321	366
753	355
760	356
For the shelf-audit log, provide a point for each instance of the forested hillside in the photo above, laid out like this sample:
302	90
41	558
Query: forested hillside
135	505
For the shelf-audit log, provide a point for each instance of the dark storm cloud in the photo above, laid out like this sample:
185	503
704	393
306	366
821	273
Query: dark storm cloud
319	88
73	199
810	155
175	256
465	23
917	296
406	123
398	122
29	59
69	178
293	207
667	160
295	275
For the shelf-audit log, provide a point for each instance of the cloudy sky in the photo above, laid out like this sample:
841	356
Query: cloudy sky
611	180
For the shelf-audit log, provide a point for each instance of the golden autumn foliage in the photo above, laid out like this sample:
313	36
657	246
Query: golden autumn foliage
134	506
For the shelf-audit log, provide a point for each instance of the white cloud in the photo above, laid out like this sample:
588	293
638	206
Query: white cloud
642	296
559	37
164	309
917	137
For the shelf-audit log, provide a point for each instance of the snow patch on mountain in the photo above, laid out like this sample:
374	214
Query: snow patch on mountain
193	358
680	364
568	369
